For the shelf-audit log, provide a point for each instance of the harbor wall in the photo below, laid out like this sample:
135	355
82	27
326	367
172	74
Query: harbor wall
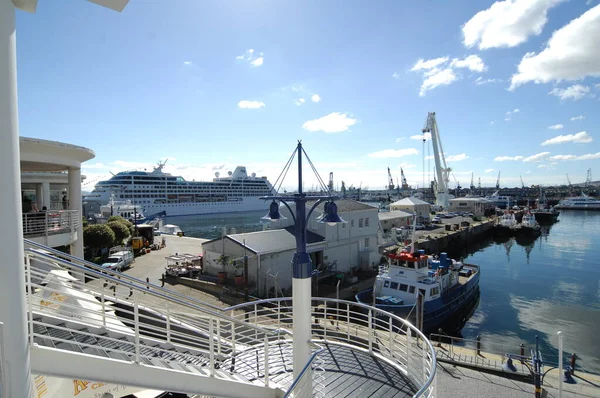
456	240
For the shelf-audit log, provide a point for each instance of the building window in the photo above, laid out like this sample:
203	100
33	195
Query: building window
366	221
360	223
352	223
366	242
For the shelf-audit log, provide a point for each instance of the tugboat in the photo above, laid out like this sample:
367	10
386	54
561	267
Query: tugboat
507	223
529	225
448	287
544	213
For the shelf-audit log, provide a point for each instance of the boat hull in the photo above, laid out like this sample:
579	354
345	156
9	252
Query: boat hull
449	309
546	217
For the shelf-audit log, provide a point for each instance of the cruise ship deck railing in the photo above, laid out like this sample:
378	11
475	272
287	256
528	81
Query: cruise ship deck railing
50	222
356	326
110	317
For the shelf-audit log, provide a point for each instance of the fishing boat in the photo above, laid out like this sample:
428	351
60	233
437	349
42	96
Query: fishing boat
447	287
528	225
543	212
507	223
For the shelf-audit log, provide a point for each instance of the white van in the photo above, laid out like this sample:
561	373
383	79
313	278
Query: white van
119	261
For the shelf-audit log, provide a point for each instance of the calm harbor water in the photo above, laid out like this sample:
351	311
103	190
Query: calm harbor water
527	287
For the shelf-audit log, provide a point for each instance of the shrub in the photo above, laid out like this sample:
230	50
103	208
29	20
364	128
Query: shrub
98	236
121	231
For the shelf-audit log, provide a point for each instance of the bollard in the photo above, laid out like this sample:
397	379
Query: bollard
573	359
478	345
522	353
439	337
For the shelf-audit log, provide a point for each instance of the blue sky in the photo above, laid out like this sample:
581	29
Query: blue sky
215	84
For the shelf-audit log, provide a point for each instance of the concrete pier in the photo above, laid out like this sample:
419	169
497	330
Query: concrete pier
440	240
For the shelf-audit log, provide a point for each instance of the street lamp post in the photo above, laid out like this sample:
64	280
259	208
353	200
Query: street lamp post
301	264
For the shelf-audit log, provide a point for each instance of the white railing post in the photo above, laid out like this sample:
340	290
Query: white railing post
233	338
325	322
408	348
424	361
348	321
391	339
29	297
370	331
266	359
103	308
560	363
168	323
211	346
136	320
219	336
4	380
46	225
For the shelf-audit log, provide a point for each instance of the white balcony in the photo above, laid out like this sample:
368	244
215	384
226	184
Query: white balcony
52	228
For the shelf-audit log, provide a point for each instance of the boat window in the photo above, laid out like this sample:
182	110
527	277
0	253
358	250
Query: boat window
386	284
394	285
403	287
411	289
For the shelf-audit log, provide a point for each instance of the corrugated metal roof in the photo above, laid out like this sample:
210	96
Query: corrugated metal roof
390	215
274	240
410	201
344	205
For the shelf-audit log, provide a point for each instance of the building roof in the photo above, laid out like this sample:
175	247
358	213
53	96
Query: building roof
271	241
410	201
344	205
390	215
471	199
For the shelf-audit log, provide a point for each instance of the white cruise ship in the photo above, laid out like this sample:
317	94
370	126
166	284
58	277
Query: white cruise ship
583	202
158	191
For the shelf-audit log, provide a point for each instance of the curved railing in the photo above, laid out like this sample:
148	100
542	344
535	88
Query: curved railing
357	326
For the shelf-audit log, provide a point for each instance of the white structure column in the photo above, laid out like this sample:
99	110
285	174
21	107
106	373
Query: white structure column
75	203
15	348
46	194
38	196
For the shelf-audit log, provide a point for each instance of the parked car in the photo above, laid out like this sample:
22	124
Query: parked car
419	226
119	261
436	220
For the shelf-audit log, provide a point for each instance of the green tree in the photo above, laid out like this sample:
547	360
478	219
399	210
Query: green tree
120	230
120	219
98	236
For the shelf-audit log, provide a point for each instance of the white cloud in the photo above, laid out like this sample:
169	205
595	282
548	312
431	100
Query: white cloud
299	101
315	98
555	127
580	117
507	23
489	170
335	122
395	75
393	153
507	158
430	157
574	92
245	104
399	139
588	156
538	157
479	81
581	137
187	62
493	122
257	62
471	62
406	166
420	137
249	56
457	158
571	54
440	72
516	110
510	113
440	77
429	64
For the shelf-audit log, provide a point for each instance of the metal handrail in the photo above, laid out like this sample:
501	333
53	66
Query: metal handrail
305	369
88	264
50	222
356	320
87	271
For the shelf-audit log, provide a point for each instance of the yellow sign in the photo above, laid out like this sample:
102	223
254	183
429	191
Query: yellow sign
82	385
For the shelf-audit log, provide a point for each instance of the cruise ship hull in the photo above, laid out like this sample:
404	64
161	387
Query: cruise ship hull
441	312
189	209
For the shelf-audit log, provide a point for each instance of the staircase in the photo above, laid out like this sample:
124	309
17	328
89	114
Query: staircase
86	322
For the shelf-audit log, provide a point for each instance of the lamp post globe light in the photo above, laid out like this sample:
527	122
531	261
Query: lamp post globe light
13	328
302	270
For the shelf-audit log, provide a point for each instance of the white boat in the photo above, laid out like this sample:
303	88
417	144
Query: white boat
583	202
507	222
502	202
123	208
157	191
170	229
528	224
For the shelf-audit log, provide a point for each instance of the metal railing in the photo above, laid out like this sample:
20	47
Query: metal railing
110	317
50	222
356	326
303	385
